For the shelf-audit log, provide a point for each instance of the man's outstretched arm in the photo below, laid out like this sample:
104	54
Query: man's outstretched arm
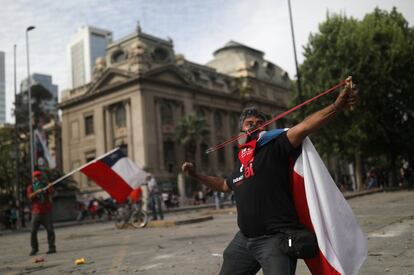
214	183
345	100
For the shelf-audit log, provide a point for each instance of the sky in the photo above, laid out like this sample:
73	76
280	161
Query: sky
197	28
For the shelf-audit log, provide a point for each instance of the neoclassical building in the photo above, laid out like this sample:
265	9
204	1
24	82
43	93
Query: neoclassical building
141	89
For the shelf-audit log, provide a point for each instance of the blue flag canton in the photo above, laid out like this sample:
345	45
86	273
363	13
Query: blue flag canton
111	159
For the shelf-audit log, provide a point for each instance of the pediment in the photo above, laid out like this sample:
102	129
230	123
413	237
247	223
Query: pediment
168	74
112	77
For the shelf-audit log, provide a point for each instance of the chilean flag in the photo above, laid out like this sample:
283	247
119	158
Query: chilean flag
115	173
322	208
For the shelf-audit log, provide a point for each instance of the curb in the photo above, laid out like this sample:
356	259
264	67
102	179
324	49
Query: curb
227	210
159	224
208	209
363	193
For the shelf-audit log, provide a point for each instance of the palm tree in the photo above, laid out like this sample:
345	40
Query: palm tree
188	132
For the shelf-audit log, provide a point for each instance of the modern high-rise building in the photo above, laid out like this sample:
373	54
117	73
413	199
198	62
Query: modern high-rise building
86	46
2	88
45	81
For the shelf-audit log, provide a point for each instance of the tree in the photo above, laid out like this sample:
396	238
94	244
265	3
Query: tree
11	186
40	114
377	52
7	167
188	132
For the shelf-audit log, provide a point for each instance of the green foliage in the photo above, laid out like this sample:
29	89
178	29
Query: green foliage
7	155
40	115
8	138
378	52
188	132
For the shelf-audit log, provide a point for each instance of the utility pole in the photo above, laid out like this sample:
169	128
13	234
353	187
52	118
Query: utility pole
299	85
30	101
19	187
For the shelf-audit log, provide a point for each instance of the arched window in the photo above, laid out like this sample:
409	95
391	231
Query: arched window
167	115
160	55
118	56
270	68
120	116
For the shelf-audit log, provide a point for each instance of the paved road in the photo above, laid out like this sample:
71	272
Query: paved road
386	218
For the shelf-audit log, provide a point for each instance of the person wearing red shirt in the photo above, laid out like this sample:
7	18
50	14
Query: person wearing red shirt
41	212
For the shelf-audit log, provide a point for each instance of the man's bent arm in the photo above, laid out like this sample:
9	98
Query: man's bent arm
299	132
214	183
312	123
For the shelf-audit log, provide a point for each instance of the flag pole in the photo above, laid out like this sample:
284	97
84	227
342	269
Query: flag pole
76	170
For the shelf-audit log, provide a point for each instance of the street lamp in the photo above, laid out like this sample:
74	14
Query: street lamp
30	101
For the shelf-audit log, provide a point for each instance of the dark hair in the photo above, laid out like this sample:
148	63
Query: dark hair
248	112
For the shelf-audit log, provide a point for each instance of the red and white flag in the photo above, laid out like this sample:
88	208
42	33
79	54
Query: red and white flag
322	208
115	173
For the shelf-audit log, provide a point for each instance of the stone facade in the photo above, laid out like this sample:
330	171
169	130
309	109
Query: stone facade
141	89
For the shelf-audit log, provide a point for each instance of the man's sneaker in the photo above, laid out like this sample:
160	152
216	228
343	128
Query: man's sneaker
33	252
51	251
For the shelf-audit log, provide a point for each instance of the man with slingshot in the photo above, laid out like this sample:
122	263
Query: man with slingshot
260	181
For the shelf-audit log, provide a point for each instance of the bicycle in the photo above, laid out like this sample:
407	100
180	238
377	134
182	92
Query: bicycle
134	215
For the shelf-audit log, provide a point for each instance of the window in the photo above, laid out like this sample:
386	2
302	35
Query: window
124	149
160	55
218	121
118	56
120	116
167	115
285	76
169	155
89	125
221	158
201	113
254	65
90	157
205	161
269	67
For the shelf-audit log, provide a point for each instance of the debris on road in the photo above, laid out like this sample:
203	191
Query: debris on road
80	261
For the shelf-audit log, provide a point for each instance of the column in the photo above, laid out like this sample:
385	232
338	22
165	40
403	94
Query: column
127	105
158	129
108	129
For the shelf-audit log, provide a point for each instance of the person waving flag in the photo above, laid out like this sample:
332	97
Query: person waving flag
114	172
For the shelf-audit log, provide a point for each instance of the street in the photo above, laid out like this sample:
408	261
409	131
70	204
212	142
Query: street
387	220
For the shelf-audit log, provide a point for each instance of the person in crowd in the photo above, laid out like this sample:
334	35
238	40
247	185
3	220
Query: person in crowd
41	211
154	198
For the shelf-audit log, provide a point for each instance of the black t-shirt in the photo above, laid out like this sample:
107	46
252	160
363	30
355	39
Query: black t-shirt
264	200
